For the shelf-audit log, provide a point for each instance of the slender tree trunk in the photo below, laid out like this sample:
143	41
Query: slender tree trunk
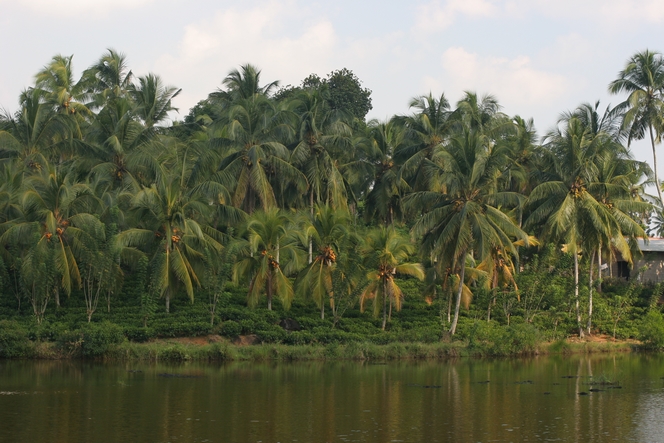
576	293
311	239
654	167
449	306
599	268
459	291
168	302
322	310
590	295
384	305
269	293
57	297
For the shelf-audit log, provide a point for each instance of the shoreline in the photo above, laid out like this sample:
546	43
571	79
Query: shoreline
180	350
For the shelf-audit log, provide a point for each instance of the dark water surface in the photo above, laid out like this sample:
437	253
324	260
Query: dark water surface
465	400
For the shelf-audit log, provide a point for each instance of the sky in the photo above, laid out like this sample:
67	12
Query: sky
539	58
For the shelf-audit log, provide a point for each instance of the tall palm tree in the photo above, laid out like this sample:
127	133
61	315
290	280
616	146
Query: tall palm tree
570	208
383	201
386	252
108	79
58	211
330	237
322	135
462	212
152	99
643	80
426	129
170	219
267	256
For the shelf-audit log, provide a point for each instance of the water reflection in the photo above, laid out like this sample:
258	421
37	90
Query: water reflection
464	400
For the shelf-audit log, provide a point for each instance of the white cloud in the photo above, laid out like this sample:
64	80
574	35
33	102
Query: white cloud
275	36
515	79
435	16
70	8
627	13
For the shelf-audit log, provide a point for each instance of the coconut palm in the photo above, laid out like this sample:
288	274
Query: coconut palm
252	154
35	132
108	79
383	201
428	128
462	211
172	231
267	255
152	99
570	209
386	253
331	239
56	211
643	80
322	137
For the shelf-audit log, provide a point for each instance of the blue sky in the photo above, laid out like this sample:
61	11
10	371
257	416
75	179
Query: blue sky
538	57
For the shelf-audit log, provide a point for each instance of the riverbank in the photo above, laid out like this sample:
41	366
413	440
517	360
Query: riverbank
215	348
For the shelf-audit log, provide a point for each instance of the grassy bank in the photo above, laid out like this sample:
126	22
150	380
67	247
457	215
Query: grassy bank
185	350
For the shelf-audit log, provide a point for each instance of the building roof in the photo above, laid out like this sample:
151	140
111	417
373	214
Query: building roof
653	245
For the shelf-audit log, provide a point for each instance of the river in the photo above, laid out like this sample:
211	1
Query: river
465	400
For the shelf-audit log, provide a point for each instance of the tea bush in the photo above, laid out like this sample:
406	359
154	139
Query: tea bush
14	340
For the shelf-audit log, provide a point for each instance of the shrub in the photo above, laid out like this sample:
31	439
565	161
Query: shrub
139	335
652	330
230	328
14	341
299	338
272	335
98	338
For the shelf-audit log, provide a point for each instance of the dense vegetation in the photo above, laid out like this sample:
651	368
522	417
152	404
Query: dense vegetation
264	194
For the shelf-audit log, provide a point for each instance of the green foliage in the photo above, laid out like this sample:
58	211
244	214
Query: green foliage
651	332
489	339
14	340
98	338
230	328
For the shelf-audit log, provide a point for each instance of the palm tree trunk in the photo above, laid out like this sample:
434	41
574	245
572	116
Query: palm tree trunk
599	268
459	291
311	239
168	302
590	295
384	305
654	167
576	293
449	306
269	293
322	310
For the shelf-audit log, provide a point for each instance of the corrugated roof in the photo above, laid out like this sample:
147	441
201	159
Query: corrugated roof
653	245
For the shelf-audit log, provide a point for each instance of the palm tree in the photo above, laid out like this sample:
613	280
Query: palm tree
570	208
35	132
385	254
462	212
56	210
643	80
108	79
171	228
152	99
320	131
383	201
268	254
247	140
330	236
428	128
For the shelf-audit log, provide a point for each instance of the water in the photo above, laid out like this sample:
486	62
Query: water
524	400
